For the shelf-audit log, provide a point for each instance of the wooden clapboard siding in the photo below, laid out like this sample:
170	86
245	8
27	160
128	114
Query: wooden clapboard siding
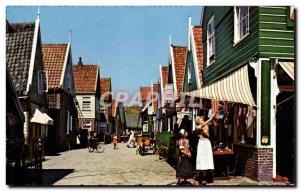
276	36
188	87
229	57
271	35
88	113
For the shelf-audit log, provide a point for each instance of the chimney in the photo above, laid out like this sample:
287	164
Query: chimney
80	61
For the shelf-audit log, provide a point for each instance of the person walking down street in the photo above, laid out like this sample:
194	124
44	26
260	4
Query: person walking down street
115	140
184	166
131	140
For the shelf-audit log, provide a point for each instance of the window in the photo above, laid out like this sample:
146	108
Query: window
86	104
211	41
71	122
69	81
241	23
87	124
68	123
189	73
42	81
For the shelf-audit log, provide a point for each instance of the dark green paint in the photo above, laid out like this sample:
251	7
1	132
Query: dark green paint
265	100
188	87
265	39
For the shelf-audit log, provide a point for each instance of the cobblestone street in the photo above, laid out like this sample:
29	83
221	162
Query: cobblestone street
113	167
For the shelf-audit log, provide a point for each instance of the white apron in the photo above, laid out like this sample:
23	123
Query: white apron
204	160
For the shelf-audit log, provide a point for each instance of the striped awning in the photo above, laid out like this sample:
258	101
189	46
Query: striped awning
233	88
288	67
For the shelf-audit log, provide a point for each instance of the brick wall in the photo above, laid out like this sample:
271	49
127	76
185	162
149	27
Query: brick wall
254	163
265	164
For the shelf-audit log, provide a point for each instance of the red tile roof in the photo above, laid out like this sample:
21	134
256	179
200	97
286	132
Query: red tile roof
113	108
197	33
155	88
105	86
165	73
180	54
145	93
54	58
86	78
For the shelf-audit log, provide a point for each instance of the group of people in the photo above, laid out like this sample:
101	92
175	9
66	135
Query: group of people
195	162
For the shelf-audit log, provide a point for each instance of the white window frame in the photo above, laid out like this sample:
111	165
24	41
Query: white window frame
71	122
87	125
238	37
68	123
86	101
189	73
42	90
213	35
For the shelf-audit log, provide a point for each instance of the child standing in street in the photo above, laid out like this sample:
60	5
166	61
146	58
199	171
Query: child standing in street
115	141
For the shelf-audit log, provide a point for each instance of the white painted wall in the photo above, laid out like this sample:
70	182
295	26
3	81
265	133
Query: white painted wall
91	113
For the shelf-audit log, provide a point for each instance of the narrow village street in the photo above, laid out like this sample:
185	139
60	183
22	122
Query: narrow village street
119	167
210	88
112	167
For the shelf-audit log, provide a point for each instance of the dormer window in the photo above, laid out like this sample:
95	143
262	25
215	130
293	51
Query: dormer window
241	23
211	41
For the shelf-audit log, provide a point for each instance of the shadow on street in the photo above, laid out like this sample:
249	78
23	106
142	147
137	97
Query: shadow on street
50	176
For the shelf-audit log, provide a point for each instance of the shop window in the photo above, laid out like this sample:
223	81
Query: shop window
241	23
211	41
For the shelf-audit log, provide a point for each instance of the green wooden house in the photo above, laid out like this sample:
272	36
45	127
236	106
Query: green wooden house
248	58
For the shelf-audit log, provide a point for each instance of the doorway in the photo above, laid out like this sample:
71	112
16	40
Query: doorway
285	136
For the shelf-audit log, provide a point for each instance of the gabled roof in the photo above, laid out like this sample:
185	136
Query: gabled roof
179	55
85	78
19	45
145	93
113	108
54	59
164	73
105	86
14	105
155	89
197	34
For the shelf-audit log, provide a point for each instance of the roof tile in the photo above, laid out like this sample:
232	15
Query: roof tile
85	78
145	93
180	54
197	33
54	58
19	41
105	86
165	73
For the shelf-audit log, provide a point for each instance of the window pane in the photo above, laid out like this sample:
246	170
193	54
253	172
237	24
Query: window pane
244	11
213	44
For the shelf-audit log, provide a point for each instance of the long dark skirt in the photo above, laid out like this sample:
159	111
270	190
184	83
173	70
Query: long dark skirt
184	168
